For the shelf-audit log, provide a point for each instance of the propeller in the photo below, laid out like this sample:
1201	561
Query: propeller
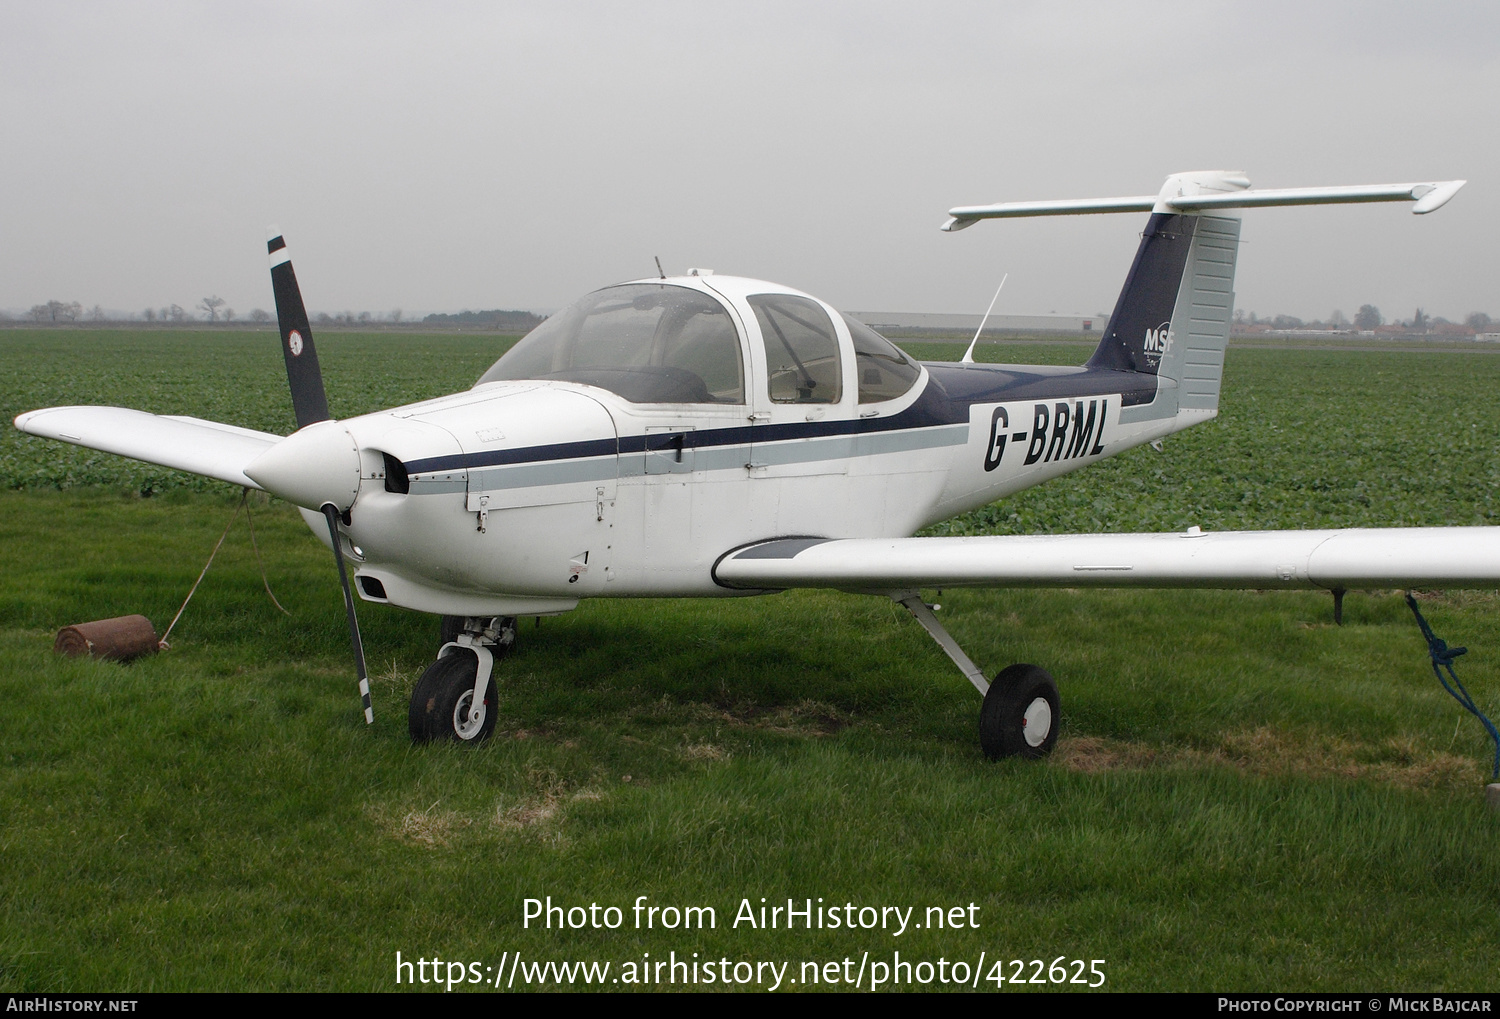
299	461
302	371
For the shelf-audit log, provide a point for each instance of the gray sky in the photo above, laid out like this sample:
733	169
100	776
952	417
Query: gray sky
480	155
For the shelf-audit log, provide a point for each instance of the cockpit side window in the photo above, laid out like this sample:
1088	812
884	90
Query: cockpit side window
883	369
802	351
650	343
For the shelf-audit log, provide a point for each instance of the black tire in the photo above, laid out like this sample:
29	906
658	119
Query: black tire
1003	720
439	702
452	626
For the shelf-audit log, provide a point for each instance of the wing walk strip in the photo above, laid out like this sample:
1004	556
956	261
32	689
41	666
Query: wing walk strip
1454	557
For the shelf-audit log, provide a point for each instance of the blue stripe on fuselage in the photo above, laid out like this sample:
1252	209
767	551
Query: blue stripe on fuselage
951	390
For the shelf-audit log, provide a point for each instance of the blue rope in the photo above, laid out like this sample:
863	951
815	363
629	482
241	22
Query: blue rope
1442	658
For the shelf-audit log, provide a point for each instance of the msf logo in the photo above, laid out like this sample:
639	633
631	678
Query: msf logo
1159	340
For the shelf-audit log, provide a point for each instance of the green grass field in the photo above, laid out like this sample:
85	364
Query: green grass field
1244	796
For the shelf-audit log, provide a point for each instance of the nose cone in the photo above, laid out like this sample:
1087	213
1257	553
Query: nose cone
316	465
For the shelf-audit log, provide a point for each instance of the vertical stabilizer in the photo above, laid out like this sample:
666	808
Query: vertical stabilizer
1139	332
1172	316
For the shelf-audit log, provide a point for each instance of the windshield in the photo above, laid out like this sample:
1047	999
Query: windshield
885	372
647	342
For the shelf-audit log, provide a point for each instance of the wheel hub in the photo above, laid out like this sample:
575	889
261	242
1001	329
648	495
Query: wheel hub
1036	723
467	718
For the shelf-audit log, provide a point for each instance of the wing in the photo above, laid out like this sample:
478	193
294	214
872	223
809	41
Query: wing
184	443
1451	557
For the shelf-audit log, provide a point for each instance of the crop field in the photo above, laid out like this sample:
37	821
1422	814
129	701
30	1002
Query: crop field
1244	796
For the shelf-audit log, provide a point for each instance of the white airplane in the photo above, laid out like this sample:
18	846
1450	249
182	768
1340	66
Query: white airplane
712	436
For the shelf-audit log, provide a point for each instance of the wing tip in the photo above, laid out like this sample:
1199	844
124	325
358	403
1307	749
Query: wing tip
1440	193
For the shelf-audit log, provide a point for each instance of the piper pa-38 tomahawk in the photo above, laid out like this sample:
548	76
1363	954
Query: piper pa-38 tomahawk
710	436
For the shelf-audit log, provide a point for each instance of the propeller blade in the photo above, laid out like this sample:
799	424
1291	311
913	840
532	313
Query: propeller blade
331	514
302	373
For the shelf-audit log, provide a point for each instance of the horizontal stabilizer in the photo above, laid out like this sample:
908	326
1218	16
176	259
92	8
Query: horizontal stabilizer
1215	190
189	444
1428	196
1386	557
968	215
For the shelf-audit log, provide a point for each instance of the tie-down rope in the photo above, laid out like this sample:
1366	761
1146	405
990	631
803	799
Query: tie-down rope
1442	658
244	504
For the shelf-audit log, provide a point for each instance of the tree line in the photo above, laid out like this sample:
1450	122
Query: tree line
1369	318
214	310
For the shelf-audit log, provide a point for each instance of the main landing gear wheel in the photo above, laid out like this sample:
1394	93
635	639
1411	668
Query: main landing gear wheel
443	700
1020	714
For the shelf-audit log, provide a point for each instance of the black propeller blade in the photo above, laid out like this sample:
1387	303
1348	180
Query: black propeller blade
331	514
311	404
302	372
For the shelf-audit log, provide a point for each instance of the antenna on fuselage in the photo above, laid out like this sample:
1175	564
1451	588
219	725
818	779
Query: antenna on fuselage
968	357
658	267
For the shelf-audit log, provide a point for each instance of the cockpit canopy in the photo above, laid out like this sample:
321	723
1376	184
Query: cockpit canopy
647	342
663	343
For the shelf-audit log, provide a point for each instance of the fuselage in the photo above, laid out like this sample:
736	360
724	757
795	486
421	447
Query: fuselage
521	496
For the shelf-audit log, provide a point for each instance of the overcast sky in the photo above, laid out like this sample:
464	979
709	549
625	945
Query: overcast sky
440	156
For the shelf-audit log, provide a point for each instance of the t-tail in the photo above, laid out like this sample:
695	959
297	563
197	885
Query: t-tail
1172	317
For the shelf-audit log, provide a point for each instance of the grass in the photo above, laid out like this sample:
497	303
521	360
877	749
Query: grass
1243	797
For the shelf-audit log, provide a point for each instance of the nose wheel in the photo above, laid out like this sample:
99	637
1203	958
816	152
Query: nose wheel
455	699
442	704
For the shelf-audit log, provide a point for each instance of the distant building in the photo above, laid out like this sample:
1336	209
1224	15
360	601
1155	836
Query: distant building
935	322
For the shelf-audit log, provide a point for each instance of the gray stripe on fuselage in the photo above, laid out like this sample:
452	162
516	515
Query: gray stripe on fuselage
1160	407
705	458
874	443
555	472
438	484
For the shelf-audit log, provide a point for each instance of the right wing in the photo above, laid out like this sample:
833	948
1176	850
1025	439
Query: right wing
190	444
1353	558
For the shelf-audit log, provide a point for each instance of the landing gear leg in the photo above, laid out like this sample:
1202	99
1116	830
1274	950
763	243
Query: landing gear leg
1021	707
454	698
912	602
